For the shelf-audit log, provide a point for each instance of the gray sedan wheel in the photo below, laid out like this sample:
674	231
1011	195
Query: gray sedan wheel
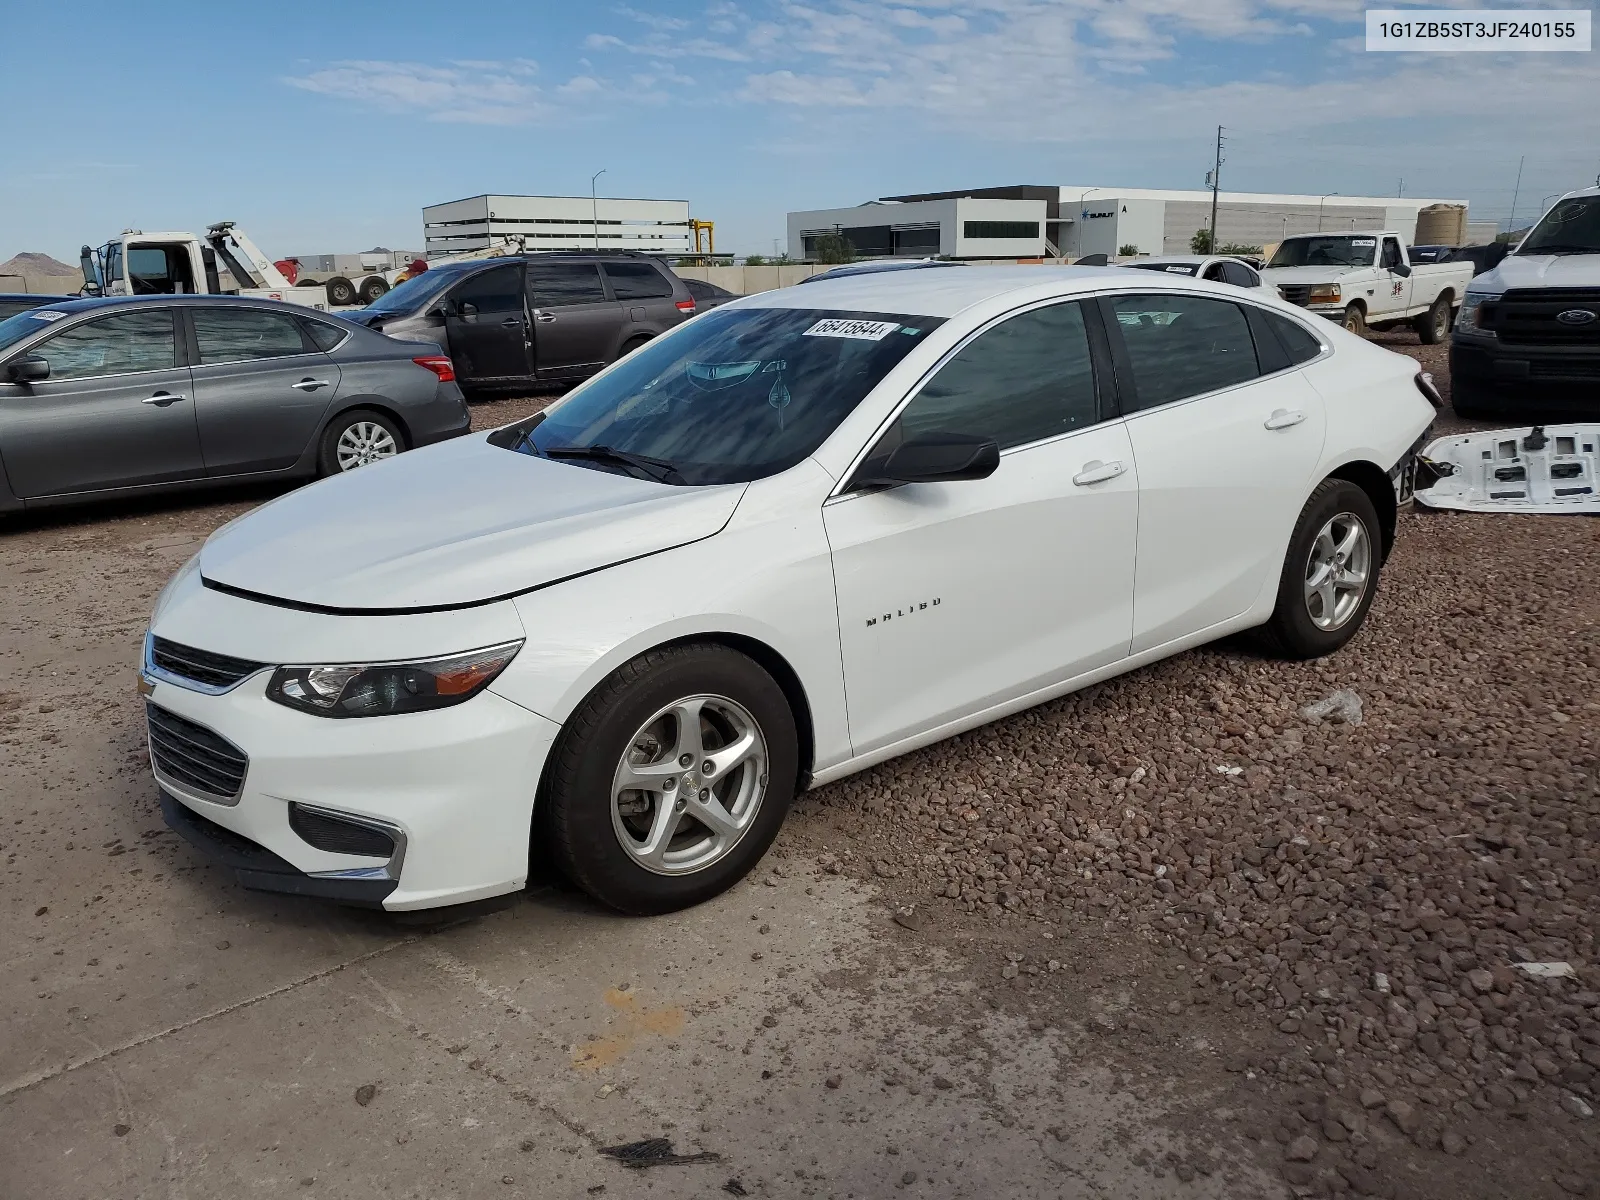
357	438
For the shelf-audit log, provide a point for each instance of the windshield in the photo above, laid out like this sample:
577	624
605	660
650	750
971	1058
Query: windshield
1172	268
414	294
26	324
1571	227
735	395
1345	250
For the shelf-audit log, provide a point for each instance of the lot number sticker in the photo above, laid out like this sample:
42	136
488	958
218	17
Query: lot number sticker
864	331
47	314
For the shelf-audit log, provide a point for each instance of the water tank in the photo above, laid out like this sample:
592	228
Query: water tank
1441	225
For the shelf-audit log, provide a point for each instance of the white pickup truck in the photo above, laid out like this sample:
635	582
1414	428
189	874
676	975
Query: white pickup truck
1368	279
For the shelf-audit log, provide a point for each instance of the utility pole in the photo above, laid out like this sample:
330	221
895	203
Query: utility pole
1216	184
1401	190
1511	221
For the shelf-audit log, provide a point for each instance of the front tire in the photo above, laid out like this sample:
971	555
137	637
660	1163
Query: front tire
1434	325
1355	320
627	810
1330	574
355	439
340	291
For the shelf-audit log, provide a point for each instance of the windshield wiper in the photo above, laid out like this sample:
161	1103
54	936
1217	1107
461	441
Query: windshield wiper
658	469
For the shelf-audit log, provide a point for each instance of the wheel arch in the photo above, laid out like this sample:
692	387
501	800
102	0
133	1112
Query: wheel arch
1374	481
377	404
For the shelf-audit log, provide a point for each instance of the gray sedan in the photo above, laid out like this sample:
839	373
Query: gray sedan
120	396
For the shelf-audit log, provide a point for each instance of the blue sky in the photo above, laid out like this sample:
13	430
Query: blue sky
327	126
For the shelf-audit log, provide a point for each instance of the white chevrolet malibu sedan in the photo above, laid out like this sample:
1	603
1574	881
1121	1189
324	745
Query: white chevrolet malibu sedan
801	534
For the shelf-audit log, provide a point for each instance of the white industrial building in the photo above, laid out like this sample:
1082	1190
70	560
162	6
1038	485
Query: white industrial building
1033	221
559	223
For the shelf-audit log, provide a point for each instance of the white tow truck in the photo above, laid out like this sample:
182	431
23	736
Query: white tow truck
154	264
1367	280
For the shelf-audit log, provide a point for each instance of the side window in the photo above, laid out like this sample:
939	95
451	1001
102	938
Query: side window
498	291
637	281
1182	346
553	284
1391	253
115	345
227	335
1217	273
1028	378
325	336
1239	275
1300	343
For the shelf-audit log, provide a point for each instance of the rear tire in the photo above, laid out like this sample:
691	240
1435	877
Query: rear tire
1319	609
341	291
371	288
632	344
647	850
355	438
1355	320
1434	325
307	283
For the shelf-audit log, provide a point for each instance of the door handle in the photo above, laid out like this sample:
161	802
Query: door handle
544	316
310	385
162	399
512	321
1098	472
1282	418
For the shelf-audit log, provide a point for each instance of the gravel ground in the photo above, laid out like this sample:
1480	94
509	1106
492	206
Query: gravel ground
1306	935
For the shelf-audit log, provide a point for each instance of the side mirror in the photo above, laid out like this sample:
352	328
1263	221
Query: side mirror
1401	270
938	458
30	368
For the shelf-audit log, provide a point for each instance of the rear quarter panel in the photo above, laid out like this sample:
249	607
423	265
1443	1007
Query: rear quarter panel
1375	412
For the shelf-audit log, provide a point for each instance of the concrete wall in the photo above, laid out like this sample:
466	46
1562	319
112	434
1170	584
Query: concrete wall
45	285
747	281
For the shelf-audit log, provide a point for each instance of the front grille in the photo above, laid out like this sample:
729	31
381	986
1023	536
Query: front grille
1296	293
202	666
1527	317
193	757
328	832
1555	368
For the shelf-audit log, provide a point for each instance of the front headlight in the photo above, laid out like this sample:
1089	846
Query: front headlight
1324	293
1468	316
380	689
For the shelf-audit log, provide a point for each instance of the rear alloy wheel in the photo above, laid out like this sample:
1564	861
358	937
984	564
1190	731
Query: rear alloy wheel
1330	574
1355	320
356	439
671	780
1434	326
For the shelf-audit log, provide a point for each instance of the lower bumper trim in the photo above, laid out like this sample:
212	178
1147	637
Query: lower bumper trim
260	869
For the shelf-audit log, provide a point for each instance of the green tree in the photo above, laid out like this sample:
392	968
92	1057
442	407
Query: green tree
1200	243
1127	251
833	248
1240	249
755	260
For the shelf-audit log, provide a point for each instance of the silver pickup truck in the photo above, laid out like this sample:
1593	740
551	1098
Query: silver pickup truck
1368	279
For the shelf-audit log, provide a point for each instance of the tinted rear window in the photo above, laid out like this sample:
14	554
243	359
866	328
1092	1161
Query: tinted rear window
637	281
1183	346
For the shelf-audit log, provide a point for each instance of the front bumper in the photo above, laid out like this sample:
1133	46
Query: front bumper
1546	377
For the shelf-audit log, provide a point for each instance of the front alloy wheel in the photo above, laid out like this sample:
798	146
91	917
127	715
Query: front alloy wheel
689	784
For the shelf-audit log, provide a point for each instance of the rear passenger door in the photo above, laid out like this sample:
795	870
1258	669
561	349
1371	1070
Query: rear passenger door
261	386
1227	441
116	410
577	327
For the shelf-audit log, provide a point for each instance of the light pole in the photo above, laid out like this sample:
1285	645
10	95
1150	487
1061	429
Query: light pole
594	205
1319	210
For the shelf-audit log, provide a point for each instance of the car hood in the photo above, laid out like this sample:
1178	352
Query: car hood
1276	275
456	524
1541	270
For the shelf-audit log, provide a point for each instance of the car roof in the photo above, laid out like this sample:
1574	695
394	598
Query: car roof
945	293
72	304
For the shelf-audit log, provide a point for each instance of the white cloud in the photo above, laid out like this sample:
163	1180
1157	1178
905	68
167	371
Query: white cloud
470	91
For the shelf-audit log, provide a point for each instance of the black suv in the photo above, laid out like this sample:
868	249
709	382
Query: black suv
511	322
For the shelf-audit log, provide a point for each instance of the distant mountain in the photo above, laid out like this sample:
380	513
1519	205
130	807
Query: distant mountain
30	263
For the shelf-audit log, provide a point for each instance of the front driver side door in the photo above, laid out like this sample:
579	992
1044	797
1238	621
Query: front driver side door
487	324
117	410
957	597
